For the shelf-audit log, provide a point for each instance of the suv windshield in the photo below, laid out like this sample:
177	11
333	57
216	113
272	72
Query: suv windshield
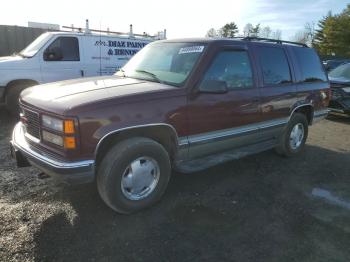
341	71
34	47
168	63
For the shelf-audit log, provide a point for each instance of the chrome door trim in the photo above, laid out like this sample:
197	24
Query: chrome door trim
232	132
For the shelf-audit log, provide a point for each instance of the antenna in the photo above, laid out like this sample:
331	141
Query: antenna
87	29
131	33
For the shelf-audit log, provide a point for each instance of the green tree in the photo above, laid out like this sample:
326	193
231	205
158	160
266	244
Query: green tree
229	30
333	34
255	31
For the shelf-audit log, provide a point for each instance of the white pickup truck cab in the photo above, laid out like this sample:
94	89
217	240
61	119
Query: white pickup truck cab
56	56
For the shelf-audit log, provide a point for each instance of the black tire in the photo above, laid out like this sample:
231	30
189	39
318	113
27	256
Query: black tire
12	96
284	148
115	162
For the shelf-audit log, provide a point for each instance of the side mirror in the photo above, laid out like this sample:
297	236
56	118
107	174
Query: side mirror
53	54
213	87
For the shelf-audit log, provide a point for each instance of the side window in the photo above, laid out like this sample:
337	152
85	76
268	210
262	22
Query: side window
310	65
274	63
63	49
231	68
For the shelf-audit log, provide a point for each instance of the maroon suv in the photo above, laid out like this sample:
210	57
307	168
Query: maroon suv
180	104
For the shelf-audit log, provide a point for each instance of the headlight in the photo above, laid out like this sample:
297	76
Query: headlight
65	126
52	138
52	123
66	136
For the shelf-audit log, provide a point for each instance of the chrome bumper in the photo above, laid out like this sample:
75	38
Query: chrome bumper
72	172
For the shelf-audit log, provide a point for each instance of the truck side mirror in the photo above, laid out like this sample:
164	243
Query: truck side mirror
213	86
53	54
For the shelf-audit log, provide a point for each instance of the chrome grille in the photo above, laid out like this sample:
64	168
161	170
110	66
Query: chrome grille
32	122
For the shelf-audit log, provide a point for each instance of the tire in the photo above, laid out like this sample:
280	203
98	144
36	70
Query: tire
115	166
12	97
289	148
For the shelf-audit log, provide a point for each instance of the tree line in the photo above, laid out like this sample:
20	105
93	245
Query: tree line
330	36
230	30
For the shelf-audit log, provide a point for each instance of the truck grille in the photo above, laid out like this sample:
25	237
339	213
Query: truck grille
33	122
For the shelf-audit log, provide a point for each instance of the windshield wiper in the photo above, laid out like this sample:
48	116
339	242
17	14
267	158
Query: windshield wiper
154	76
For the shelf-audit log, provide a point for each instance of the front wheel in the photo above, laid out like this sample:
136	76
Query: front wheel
133	174
294	136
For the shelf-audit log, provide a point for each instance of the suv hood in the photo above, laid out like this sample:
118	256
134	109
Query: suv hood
65	95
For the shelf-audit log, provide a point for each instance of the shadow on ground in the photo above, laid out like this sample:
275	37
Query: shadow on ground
259	208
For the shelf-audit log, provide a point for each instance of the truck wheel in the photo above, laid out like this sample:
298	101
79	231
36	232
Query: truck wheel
133	174
12	97
294	137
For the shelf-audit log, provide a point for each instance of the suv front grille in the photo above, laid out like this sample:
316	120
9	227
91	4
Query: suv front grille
33	122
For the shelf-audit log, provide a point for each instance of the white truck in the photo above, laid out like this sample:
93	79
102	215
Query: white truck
56	56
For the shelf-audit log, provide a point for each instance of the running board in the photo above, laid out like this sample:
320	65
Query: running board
213	160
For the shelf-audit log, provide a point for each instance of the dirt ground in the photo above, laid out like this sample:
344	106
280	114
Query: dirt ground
260	208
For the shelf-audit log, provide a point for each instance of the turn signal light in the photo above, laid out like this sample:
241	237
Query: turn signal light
69	142
69	127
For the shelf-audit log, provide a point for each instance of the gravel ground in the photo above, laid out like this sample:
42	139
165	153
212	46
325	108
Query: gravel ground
260	208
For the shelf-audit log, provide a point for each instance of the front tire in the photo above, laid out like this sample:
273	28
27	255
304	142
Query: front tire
294	136
133	175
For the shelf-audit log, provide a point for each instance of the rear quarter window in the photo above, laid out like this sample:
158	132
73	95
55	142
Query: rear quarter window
310	65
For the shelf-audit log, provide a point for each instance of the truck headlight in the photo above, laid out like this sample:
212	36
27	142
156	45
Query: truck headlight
52	123
52	138
66	136
65	126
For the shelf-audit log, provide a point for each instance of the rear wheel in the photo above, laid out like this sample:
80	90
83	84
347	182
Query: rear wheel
294	137
133	175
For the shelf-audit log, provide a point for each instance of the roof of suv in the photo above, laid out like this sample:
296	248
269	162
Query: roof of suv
238	40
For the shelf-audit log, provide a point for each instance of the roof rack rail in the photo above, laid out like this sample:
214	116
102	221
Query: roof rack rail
277	41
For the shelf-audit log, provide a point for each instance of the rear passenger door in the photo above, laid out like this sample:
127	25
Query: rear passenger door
277	88
222	120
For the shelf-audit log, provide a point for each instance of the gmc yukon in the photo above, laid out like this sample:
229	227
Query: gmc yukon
177	104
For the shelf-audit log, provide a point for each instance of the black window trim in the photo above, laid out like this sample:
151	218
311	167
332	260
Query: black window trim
232	48
63	36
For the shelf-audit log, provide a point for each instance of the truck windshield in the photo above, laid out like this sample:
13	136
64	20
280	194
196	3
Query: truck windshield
341	71
168	63
35	46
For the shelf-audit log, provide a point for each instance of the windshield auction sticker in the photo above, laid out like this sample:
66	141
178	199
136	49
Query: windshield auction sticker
191	49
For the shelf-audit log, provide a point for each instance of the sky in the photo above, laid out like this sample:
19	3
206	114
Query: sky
181	18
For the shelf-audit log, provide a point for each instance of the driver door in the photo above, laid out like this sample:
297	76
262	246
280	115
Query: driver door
61	60
222	119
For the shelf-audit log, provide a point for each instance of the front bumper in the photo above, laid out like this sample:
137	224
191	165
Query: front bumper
72	172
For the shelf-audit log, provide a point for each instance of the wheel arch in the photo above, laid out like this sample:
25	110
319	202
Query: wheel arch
164	134
306	109
31	82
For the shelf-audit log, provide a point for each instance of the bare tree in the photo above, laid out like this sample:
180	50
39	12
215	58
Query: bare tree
265	32
247	29
211	33
277	34
307	35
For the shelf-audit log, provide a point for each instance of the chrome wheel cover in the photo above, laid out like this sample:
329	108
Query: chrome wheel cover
140	178
296	136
